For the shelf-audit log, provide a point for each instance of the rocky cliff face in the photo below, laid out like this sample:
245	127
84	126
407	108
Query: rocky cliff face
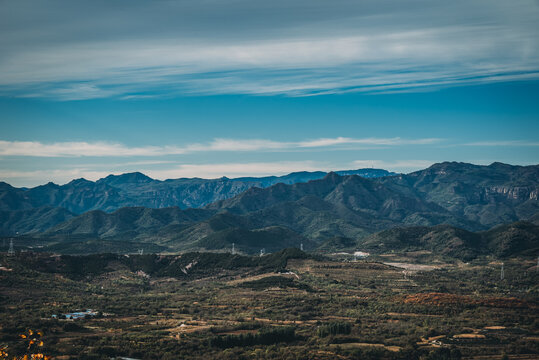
512	193
487	195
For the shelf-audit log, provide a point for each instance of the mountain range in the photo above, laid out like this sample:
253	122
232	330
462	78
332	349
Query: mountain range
446	198
34	210
136	189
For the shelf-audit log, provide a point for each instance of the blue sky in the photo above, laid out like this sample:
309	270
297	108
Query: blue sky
236	88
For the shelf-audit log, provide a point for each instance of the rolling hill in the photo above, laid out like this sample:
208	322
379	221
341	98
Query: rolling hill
128	224
32	221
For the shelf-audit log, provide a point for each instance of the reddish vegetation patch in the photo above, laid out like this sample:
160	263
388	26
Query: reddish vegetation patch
443	299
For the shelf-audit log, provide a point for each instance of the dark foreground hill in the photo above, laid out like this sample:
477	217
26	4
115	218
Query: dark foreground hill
187	265
520	238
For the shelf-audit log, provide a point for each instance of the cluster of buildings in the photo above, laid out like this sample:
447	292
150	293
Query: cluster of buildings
77	315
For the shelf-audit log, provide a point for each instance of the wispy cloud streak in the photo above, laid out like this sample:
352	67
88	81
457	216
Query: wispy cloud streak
320	48
104	149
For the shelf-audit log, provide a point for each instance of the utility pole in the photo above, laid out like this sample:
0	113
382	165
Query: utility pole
233	249
502	273
11	251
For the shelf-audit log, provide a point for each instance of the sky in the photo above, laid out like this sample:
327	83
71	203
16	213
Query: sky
252	88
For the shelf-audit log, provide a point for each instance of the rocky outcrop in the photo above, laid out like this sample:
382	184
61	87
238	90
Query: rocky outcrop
512	193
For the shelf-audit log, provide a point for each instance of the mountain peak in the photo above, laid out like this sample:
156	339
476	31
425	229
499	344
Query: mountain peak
132	177
77	182
498	164
138	176
333	176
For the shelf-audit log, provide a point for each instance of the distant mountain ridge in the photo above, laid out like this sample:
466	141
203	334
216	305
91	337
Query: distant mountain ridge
136	189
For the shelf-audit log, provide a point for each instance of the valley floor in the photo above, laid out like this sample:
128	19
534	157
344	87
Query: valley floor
313	308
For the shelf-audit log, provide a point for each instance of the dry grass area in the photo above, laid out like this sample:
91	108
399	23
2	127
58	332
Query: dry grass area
413	267
345	271
240	279
411	315
366	345
469	336
444	299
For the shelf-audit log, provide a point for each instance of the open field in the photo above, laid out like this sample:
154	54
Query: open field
242	309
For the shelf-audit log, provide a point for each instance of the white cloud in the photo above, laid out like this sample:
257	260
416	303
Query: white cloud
238	145
325	142
367	141
104	149
75	149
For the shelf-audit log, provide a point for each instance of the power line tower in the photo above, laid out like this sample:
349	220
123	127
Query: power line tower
502	273
301	246
11	251
141	252
233	249
262	252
